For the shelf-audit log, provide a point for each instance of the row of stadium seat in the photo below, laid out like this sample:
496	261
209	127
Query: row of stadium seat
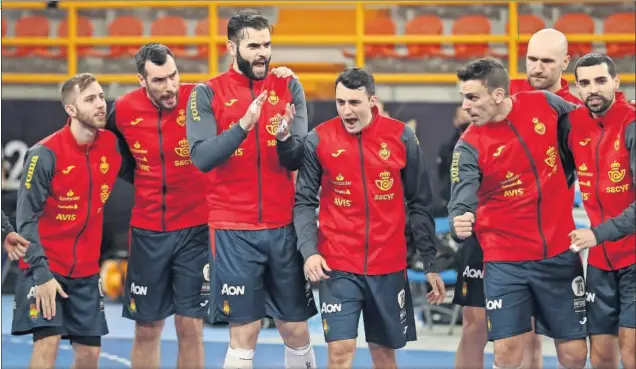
378	22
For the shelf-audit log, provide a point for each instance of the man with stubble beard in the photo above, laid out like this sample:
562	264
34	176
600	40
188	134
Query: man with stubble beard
246	128
66	181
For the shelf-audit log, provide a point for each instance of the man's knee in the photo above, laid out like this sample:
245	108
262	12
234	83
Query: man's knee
474	325
572	354
383	357
627	343
148	331
244	335
86	354
294	334
188	329
509	352
341	352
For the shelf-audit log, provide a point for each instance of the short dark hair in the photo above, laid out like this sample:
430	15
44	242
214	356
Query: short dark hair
82	81
247	18
354	78
592	59
155	52
487	70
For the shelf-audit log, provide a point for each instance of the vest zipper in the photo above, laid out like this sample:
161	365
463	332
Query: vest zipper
539	196
258	161
163	174
88	213
598	198
366	207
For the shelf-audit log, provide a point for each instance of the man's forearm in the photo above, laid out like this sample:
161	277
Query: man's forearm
214	151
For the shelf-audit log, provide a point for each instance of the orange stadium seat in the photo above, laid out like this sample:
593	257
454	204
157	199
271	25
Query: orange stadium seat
126	26
620	23
171	26
576	23
528	24
203	29
4	27
471	25
26	27
424	25
84	29
377	26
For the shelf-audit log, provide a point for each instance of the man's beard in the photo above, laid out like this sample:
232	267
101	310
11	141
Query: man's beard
599	109
245	66
157	101
89	121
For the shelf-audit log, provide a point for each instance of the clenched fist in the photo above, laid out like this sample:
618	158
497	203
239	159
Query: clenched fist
463	225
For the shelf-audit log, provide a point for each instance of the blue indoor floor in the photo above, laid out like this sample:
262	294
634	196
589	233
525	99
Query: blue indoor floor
16	351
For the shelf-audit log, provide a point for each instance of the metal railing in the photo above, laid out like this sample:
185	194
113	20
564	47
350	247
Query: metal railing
72	42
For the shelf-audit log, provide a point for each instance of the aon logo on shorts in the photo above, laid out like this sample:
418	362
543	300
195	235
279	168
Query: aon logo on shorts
494	304
138	290
232	290
473	273
330	308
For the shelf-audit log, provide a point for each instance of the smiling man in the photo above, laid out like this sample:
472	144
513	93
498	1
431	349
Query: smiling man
246	129
603	141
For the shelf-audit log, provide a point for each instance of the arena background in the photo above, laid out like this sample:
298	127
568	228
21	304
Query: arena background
413	48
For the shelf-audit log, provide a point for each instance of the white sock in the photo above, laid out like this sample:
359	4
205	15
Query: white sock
238	358
300	358
494	366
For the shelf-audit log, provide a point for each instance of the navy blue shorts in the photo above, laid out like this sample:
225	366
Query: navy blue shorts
469	289
168	273
552	290
258	273
611	299
384	301
79	318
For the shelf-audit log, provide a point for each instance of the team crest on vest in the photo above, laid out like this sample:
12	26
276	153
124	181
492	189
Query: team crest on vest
103	167
384	152
183	149
272	127
385	182
325	326
273	99
617	143
105	193
226	308
181	119
539	127
616	174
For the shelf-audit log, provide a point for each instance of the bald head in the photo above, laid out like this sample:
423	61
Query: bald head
546	59
549	41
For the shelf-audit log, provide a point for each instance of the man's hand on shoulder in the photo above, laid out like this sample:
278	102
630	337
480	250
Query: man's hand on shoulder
283	72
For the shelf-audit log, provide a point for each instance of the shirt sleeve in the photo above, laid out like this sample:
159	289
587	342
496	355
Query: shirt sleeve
6	227
419	201
128	162
465	181
35	188
207	149
306	202
291	151
624	224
